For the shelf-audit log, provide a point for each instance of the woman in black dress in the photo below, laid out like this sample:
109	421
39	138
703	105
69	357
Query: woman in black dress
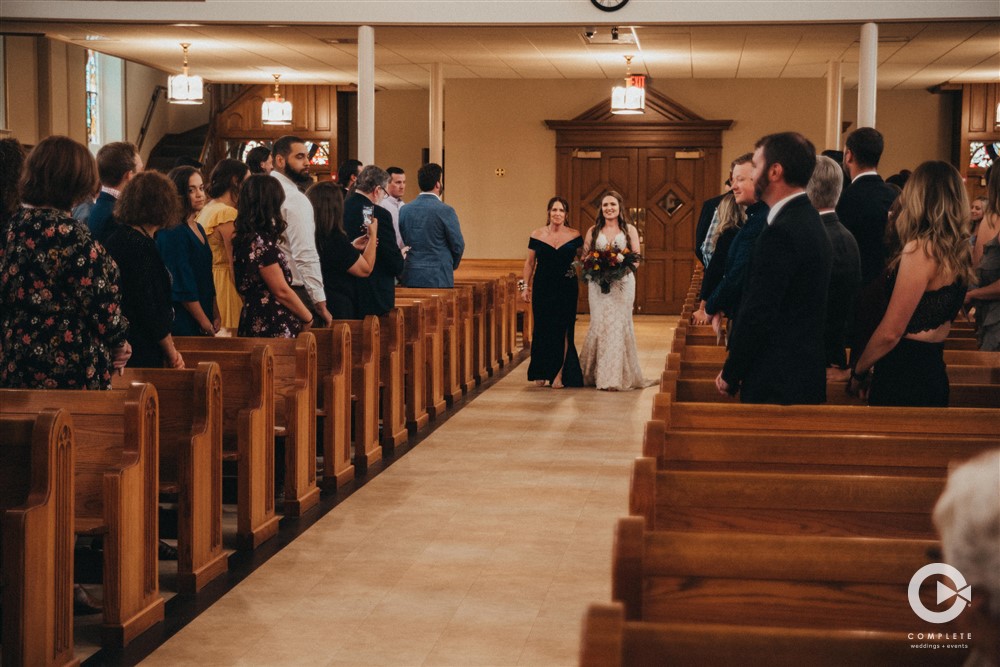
148	204
271	309
552	293
338	255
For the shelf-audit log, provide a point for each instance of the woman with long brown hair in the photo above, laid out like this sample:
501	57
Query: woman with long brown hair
903	362
609	357
550	286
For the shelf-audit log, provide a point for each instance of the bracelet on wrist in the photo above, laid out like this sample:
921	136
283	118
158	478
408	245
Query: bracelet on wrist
861	377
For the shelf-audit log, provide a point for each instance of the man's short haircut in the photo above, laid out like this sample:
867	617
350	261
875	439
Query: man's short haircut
370	178
795	154
115	160
743	159
392	171
826	183
867	145
256	157
428	176
283	146
347	169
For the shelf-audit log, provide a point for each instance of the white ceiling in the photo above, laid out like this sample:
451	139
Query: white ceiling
911	54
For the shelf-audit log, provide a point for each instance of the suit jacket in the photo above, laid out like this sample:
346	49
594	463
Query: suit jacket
430	227
704	220
376	294
845	281
728	292
864	209
776	352
101	220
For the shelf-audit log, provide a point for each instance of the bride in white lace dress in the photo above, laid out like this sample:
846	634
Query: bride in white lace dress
609	357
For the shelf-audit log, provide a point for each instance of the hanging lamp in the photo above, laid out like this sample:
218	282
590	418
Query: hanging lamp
184	88
276	110
630	98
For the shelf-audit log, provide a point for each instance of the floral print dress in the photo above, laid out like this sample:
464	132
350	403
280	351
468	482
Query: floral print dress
262	315
60	306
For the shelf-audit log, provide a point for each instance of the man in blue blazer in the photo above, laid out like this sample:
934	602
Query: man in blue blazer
117	163
776	352
430	228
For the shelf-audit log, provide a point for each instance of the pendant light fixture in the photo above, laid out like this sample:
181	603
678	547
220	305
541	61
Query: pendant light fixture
184	88
630	98
276	110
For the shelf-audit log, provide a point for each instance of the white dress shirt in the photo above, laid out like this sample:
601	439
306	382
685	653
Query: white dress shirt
393	204
299	240
776	209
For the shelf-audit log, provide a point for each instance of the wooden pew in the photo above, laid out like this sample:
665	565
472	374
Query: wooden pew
783	503
392	375
822	439
485	330
434	363
247	436
36	538
508	271
414	367
611	641
962	395
115	434
333	401
787	581
190	464
366	347
452	336
294	398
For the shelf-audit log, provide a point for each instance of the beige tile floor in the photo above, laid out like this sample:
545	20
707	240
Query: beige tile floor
481	547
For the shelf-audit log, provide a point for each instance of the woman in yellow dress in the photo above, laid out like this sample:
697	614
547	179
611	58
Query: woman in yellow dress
217	218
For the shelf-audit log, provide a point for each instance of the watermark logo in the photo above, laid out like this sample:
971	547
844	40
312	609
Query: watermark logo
962	593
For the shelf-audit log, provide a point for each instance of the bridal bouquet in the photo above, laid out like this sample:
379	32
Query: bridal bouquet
606	267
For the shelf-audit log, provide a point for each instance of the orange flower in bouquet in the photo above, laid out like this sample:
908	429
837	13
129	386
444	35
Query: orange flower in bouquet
606	267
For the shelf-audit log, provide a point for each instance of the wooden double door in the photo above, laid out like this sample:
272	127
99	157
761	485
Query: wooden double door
663	189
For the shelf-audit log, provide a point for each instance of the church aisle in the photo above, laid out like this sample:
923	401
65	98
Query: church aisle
481	547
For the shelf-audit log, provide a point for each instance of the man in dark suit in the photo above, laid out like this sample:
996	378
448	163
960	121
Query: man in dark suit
845	276
776	352
864	206
376	294
117	163
430	228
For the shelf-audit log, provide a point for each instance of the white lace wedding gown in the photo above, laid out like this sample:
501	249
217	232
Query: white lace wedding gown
609	357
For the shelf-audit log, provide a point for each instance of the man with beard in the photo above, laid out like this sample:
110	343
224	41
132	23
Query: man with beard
376	294
776	354
291	169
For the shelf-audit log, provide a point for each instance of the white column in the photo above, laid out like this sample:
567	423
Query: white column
834	105
366	94
867	75
436	114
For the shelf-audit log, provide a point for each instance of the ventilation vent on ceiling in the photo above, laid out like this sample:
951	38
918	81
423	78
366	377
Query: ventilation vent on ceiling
609	36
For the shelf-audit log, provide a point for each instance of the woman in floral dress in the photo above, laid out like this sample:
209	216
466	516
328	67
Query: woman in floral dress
271	309
61	323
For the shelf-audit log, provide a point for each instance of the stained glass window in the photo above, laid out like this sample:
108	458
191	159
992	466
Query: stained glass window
249	146
983	154
320	153
93	109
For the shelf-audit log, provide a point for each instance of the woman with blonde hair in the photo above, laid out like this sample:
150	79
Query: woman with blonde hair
903	362
731	219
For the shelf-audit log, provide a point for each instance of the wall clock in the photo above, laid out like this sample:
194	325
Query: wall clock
609	5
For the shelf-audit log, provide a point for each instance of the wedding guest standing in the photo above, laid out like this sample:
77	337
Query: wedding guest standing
217	220
11	165
903	362
148	204
187	255
986	261
271	309
431	231
61	323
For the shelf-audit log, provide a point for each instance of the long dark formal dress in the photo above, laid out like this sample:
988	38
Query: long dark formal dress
188	257
553	303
